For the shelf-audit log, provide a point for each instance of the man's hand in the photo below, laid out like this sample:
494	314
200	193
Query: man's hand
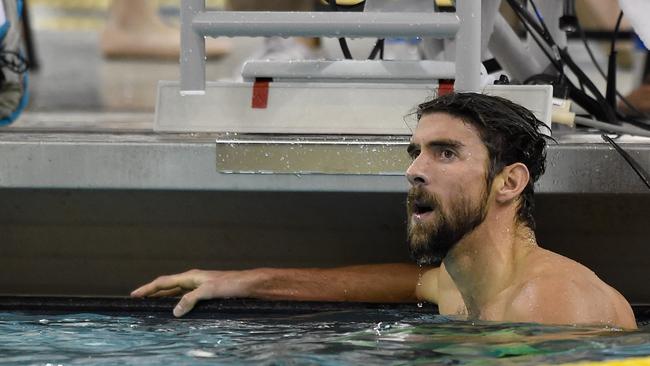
394	282
202	285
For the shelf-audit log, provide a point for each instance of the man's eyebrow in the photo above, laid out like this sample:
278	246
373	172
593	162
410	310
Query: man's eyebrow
448	143
455	144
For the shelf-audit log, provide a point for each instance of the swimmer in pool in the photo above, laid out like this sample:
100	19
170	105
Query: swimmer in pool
475	159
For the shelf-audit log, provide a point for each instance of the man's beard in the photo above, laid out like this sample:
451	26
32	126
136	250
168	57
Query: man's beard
431	240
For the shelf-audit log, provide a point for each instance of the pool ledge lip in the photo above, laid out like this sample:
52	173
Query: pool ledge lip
203	308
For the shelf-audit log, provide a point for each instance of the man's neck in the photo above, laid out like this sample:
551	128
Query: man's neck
484	263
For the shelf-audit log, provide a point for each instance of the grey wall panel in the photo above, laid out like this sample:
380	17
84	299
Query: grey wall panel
107	242
90	242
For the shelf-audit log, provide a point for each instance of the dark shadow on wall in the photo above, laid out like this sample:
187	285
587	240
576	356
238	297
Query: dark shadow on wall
78	242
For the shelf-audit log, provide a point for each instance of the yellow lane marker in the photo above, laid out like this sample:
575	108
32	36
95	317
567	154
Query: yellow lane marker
637	361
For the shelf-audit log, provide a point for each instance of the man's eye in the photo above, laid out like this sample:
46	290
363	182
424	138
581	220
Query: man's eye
447	154
414	154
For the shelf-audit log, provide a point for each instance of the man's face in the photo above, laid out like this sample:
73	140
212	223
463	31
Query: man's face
449	191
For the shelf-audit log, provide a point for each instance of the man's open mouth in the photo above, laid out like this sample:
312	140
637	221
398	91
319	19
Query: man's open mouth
421	208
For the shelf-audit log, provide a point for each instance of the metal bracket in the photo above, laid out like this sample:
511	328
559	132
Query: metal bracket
350	71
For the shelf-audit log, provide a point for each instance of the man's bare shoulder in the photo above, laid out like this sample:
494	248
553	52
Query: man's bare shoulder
554	289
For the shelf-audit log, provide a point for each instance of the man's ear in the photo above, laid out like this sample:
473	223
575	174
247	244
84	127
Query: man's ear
512	180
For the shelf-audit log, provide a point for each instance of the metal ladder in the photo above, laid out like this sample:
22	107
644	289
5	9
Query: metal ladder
463	26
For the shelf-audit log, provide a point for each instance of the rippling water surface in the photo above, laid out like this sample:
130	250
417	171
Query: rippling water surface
336	338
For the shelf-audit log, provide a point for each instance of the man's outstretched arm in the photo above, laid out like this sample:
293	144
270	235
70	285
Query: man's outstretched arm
364	283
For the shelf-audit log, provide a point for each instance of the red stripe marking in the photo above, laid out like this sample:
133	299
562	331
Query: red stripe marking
445	87
260	93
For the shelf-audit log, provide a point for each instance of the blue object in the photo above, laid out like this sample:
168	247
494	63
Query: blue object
21	106
638	43
4	29
23	78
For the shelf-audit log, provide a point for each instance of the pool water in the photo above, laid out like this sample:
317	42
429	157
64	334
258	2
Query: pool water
328	338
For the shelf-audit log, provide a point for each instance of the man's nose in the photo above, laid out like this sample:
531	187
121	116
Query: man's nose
415	174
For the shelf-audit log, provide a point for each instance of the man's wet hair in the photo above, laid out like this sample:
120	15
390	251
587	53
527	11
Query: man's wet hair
510	132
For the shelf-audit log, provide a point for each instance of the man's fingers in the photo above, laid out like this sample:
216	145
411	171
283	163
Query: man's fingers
167	293
189	300
187	280
160	283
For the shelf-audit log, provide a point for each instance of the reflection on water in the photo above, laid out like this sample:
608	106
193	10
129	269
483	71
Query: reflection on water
347	337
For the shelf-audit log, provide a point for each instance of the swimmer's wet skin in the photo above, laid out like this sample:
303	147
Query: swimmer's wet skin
470	228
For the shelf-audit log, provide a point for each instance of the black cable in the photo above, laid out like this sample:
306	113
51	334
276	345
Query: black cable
580	97
345	49
610	92
342	42
582	86
536	24
616	30
611	80
527	19
583	36
377	49
599	107
604	35
13	61
603	111
374	51
581	76
581	32
568	21
541	21
539	43
566	58
638	169
635	166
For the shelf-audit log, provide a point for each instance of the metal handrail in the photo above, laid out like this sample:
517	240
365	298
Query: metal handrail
196	24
